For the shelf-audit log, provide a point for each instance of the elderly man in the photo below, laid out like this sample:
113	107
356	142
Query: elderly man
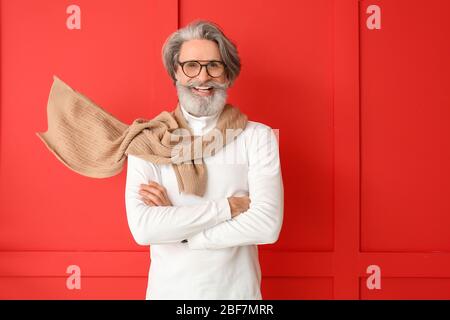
205	247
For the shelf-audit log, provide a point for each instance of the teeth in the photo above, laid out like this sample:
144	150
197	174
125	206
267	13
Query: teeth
202	88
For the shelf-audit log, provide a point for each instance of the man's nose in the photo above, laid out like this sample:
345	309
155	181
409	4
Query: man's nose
203	76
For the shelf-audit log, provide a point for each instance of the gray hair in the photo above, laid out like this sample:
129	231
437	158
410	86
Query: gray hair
201	29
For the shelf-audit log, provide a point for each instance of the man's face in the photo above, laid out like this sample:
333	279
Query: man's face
201	102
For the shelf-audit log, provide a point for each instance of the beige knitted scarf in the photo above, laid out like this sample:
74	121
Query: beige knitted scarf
92	142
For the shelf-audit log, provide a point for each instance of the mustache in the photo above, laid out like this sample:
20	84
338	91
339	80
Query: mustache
215	85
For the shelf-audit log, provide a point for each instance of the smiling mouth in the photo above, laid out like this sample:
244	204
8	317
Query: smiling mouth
202	91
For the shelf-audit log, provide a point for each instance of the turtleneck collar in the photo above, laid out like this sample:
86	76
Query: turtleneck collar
200	125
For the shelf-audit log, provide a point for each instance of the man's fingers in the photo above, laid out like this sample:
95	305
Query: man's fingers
148	202
152	197
152	193
153	185
152	189
161	188
159	194
157	190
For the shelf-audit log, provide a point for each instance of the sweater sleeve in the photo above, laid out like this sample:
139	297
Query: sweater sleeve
261	223
165	224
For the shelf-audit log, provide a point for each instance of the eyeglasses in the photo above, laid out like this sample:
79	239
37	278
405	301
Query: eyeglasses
192	68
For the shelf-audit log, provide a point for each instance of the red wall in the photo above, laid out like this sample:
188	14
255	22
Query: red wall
363	127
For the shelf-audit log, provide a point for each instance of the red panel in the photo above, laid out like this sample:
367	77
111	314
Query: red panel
297	288
39	288
405	182
405	154
409	289
115	59
91	264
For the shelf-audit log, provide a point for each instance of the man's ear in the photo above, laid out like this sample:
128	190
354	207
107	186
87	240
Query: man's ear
176	73
228	82
175	80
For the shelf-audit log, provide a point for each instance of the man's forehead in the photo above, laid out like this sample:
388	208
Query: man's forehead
199	50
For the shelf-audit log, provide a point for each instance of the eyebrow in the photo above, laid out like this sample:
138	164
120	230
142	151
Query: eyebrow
203	60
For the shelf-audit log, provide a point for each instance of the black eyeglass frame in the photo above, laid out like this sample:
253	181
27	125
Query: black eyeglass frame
201	67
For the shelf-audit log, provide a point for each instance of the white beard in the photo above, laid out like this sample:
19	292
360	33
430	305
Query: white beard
202	106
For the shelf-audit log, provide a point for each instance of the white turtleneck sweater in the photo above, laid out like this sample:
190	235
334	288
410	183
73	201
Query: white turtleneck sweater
220	258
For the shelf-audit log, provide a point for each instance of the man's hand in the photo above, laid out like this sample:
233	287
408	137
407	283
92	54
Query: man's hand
153	194
238	205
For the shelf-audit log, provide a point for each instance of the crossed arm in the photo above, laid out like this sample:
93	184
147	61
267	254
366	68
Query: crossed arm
210	225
